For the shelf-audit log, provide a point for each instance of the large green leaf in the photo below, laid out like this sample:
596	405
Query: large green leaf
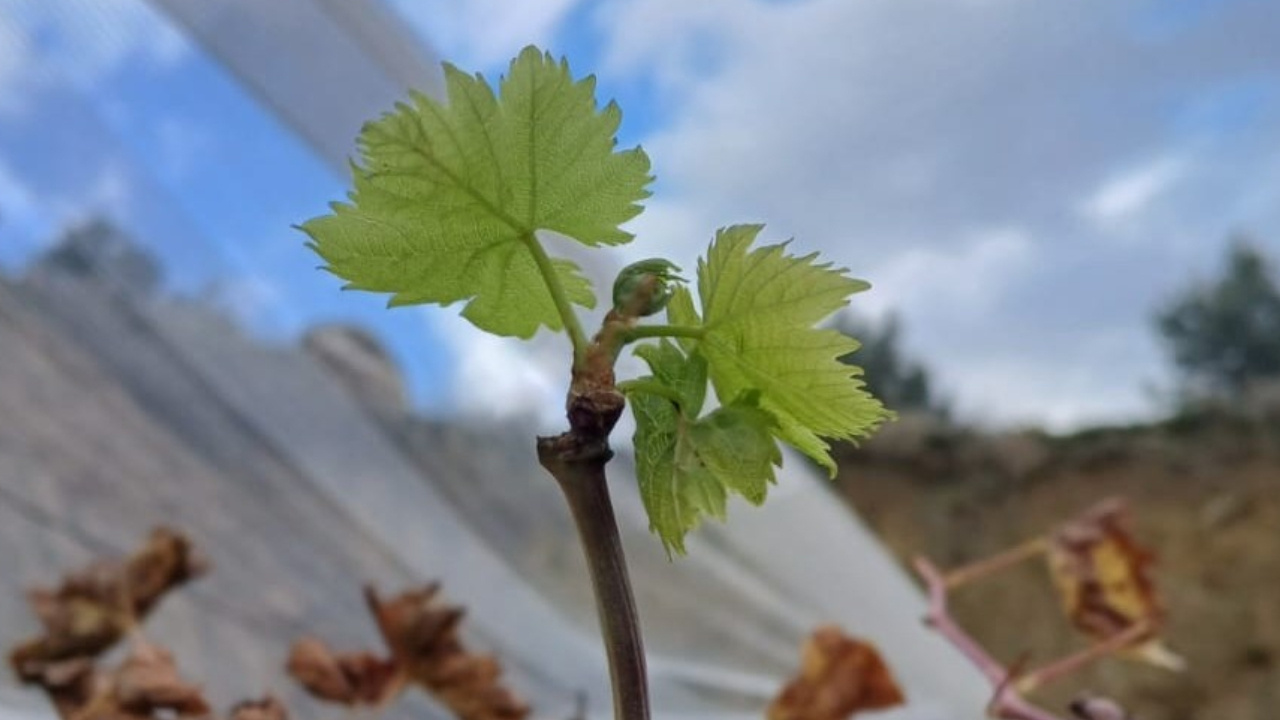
449	196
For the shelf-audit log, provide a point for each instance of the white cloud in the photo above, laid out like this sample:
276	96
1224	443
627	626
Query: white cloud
1127	195
111	188
109	192
92	38
17	204
499	377
254	300
966	278
665	39
15	61
485	33
82	41
1055	398
183	145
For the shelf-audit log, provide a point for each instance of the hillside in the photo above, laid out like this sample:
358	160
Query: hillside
1205	492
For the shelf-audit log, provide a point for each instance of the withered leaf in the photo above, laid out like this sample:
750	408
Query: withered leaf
348	678
96	606
268	708
169	559
1103	576
146	686
421	633
68	683
148	681
839	677
418	628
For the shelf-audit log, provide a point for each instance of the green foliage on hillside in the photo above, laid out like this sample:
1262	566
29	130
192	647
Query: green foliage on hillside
1224	335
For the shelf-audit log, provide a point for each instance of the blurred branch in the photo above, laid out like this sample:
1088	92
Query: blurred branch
1007	701
994	564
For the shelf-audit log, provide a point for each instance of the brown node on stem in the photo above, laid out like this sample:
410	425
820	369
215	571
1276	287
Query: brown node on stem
839	677
96	606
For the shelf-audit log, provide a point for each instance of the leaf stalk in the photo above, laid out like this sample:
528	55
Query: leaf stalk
652	387
643	332
561	299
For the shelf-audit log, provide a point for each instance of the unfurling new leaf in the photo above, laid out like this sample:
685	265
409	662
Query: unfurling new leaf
449	196
759	308
781	378
687	464
644	288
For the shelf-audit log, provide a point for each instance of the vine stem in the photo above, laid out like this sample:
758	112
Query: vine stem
577	459
583	481
1010	684
994	564
1006	702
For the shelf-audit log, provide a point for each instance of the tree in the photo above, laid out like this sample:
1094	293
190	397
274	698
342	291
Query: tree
99	248
1225	335
900	382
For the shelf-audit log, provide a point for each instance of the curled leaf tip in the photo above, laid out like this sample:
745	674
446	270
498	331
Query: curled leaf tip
644	288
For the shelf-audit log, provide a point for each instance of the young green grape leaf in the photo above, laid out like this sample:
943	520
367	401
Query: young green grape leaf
759	310
687	465
449	196
685	377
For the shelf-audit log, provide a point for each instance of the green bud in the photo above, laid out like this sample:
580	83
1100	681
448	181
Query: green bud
645	287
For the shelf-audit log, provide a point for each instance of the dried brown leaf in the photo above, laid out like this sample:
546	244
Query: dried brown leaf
169	559
417	626
96	606
839	677
268	708
422	632
148	681
1103	576
346	678
146	686
68	683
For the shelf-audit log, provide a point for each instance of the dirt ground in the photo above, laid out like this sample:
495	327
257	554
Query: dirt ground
1205	494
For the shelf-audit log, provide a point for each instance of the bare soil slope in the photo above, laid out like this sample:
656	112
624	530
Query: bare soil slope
1205	492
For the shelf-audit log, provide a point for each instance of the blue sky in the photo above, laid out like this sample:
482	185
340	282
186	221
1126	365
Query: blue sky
1024	182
